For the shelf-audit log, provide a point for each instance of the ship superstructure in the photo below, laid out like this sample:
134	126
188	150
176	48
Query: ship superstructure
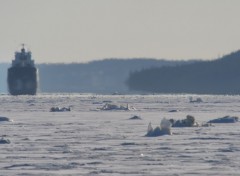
22	75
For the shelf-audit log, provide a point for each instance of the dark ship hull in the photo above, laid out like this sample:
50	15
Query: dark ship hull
22	80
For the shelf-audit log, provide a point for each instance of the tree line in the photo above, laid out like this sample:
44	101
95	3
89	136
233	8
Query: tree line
220	76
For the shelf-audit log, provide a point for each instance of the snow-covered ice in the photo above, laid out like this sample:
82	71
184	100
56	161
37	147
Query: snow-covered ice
4	119
163	129
225	119
89	141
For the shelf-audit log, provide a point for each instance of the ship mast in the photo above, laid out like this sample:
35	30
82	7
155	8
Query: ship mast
23	48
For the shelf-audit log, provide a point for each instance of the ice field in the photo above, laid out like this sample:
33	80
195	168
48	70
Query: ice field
90	141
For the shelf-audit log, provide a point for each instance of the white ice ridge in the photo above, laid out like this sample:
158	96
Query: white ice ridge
164	129
109	106
59	109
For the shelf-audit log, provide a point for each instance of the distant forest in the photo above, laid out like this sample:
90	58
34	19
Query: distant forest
220	76
103	76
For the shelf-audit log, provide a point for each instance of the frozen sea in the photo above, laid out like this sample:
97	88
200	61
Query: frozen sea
89	141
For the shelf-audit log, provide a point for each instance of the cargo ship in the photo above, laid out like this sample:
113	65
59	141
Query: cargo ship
22	76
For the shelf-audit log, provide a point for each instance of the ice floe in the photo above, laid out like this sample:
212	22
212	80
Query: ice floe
4	141
109	106
189	121
59	109
164	129
226	119
4	119
135	118
173	110
197	100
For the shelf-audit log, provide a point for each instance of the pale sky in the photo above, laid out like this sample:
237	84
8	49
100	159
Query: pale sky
86	30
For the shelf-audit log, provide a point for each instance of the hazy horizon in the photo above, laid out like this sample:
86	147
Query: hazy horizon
59	31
